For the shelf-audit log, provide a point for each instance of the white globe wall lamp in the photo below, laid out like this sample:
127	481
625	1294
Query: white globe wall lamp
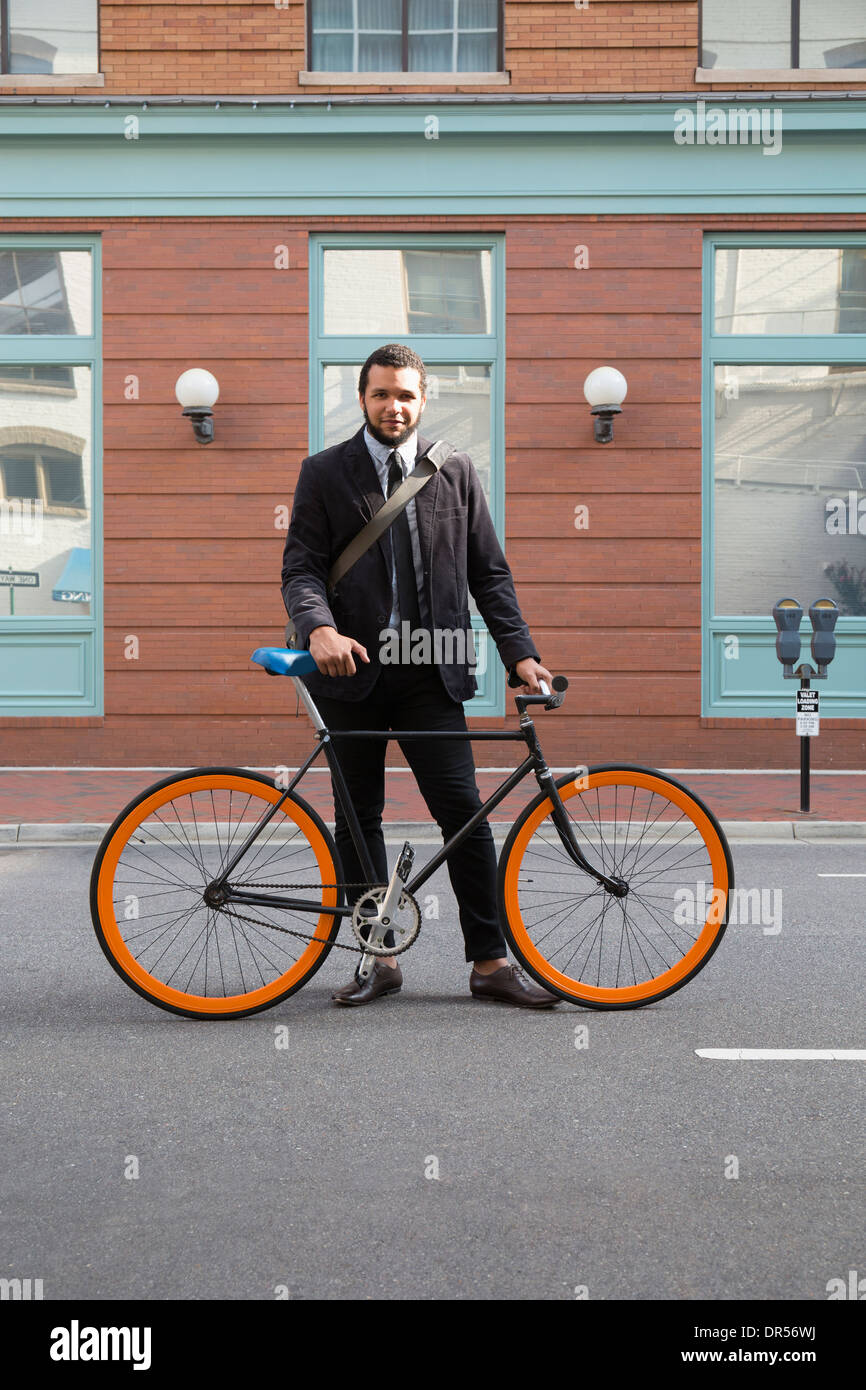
197	391
605	390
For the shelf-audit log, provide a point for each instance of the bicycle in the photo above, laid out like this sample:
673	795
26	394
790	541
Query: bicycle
601	863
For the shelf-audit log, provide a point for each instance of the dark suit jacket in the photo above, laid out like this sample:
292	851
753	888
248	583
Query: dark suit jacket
337	492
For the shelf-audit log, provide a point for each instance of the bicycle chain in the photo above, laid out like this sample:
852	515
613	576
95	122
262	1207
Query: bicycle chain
287	931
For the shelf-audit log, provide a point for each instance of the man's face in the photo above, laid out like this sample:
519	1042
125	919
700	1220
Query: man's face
392	403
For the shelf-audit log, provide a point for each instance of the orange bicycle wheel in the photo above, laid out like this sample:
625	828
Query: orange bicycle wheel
576	938
198	958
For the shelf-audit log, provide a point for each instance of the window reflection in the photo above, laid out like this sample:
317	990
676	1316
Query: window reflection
44	291
790	485
389	291
832	34
790	290
45	36
741	34
45	493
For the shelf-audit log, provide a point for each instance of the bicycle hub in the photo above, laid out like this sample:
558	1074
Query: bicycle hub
617	887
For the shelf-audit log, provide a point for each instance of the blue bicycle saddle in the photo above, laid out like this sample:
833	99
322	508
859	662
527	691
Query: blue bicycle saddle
283	661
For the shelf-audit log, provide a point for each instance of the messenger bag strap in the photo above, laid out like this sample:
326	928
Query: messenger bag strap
424	470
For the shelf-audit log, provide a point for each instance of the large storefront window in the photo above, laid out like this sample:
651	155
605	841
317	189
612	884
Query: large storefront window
786	464
442	297
48	527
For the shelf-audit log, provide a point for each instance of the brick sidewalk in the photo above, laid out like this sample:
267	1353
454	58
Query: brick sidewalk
70	795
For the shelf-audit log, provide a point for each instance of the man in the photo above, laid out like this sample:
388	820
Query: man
417	572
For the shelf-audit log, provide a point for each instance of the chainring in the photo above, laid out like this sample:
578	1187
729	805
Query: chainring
405	931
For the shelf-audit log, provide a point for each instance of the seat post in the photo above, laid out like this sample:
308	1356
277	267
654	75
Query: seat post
309	703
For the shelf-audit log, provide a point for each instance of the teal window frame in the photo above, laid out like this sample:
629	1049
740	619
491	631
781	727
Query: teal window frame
40	639
843	693
445	348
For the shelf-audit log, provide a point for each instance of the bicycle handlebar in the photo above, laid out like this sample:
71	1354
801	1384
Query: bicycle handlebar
548	699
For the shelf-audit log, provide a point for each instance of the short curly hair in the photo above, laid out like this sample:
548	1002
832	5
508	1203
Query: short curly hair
392	355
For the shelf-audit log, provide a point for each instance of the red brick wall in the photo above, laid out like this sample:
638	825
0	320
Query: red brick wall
192	557
219	47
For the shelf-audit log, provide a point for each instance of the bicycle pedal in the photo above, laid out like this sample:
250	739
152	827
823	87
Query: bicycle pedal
405	862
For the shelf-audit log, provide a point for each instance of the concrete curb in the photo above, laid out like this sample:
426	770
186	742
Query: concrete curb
30	835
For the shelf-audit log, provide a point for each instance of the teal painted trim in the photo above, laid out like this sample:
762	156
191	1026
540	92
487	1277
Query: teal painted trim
445	348
752	684
409	116
742	348
583	158
802	239
707	452
52	633
44	673
433	203
760	690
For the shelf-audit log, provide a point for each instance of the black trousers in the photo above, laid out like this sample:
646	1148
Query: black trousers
414	697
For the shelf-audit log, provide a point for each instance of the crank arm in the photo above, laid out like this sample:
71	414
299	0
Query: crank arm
402	870
368	960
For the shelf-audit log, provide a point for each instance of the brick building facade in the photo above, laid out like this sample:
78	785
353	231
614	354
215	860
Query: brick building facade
207	224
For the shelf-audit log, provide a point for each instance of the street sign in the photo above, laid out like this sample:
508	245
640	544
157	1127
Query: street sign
20	579
808	713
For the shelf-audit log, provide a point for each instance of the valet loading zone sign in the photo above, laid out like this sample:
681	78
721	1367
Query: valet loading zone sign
808	713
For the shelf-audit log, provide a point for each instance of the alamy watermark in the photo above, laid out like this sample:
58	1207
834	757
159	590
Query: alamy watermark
845	517
746	906
440	646
20	1290
733	125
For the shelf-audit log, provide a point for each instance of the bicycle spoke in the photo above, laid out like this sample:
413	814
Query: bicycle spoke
181	845
629	829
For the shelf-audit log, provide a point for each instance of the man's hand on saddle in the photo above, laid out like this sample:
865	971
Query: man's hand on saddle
332	653
531	672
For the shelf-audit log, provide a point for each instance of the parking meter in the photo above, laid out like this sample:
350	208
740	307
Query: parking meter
787	615
823	615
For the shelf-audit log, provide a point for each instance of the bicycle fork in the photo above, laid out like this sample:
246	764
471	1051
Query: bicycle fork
547	782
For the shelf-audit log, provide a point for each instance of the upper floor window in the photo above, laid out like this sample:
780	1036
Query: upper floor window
802	290
405	35
783	34
49	36
45	291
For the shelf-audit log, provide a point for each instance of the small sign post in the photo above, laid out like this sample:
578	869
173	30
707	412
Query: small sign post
807	727
23	579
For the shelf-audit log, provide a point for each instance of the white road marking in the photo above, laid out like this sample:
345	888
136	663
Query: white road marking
783	1054
842	875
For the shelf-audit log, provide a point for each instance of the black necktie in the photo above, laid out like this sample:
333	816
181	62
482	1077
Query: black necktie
407	585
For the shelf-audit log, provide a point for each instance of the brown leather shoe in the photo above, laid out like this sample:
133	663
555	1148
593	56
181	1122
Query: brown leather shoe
509	984
381	980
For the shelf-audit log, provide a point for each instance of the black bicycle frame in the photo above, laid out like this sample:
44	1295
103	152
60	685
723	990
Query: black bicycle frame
534	761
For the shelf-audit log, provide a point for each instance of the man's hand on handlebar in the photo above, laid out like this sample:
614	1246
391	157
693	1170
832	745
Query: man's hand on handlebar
333	653
531	672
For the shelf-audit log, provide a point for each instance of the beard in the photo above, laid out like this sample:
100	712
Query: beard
392	441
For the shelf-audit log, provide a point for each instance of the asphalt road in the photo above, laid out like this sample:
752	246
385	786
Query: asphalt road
303	1169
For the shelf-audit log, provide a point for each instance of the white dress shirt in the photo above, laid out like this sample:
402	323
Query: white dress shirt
407	454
